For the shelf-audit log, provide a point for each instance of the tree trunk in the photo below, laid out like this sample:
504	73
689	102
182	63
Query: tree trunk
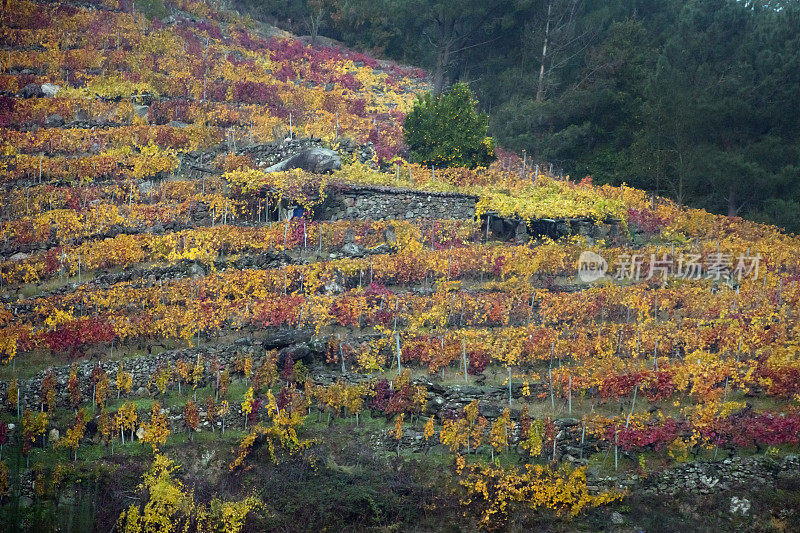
442	62
540	88
733	210
444	49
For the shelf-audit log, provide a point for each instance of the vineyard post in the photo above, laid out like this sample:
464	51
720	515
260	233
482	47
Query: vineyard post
536	171
488	221
524	163
655	308
616	449
441	339
530	314
397	340
638	337
205	71
464	357
552	399
725	394
655	355
555	440
724	398
433	173
290	126
633	404
509	385
570	394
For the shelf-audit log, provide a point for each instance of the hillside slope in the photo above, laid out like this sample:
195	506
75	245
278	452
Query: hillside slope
380	346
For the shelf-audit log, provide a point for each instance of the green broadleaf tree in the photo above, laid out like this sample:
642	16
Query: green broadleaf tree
448	130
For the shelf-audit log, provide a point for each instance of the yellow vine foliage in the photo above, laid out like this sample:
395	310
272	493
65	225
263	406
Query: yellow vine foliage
170	507
494	492
157	430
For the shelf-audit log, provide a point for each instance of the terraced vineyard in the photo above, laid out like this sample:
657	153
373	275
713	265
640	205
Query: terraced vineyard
383	346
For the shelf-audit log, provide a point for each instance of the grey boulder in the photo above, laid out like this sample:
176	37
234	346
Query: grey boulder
50	89
32	90
315	160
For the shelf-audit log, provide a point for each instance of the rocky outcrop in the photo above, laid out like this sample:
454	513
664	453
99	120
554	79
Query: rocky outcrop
50	89
315	160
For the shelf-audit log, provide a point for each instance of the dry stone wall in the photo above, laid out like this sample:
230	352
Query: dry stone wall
385	203
297	343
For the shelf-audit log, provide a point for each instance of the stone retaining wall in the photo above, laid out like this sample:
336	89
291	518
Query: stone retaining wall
385	203
297	343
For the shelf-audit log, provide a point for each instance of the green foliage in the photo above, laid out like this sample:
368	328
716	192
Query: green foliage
785	213
152	8
447	130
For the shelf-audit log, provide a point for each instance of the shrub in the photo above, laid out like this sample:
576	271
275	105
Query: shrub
448	131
